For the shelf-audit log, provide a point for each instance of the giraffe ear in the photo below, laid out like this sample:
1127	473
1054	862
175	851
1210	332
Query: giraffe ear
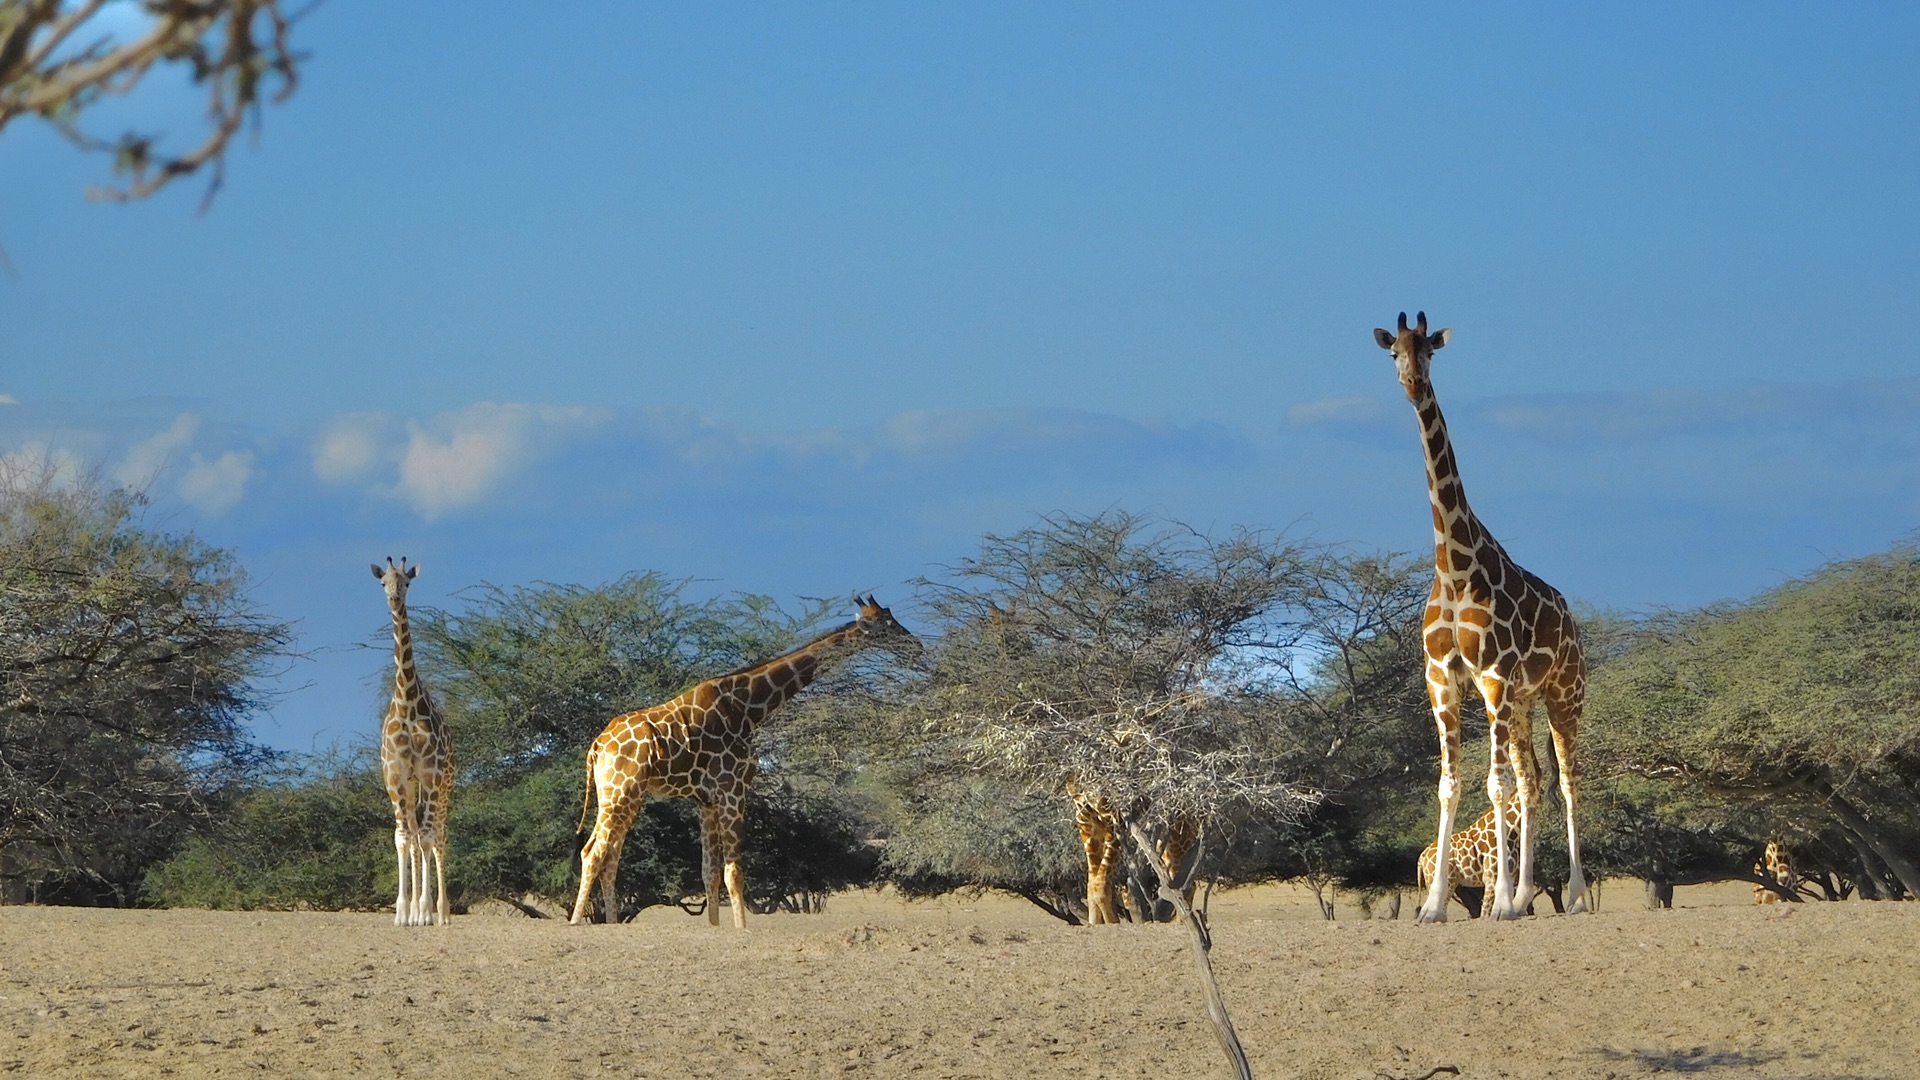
1385	339
377	572
1440	338
412	572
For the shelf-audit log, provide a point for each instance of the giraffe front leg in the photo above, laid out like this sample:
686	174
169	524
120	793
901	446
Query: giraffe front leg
1097	837
732	822
443	914
1443	691
1526	768
1563	717
710	864
403	900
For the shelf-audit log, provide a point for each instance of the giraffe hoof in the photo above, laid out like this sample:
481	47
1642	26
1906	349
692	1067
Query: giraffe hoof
1427	917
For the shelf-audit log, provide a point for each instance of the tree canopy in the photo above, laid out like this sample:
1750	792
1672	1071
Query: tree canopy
128	667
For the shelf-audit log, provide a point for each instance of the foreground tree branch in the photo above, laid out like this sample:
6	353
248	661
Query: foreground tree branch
236	50
1202	944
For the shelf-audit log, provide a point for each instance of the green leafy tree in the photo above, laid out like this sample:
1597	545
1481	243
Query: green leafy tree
1126	654
319	835
1796	711
128	667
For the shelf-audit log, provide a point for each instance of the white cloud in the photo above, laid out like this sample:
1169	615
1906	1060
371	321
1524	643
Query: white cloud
1337	411
214	485
449	461
146	460
350	446
9	399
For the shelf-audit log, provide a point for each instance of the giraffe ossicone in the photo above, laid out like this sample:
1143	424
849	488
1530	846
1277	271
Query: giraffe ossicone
1490	623
416	763
699	745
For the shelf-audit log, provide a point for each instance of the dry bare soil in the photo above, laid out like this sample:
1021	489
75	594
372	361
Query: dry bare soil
986	987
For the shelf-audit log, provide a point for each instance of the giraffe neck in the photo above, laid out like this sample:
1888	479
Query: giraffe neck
765	687
407	691
1457	535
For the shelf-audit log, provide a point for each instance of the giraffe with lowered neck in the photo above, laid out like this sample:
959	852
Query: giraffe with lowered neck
1490	622
416	761
699	745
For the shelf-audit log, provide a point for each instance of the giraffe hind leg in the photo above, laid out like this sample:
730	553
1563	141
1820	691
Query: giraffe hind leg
1526	769
1563	717
1500	898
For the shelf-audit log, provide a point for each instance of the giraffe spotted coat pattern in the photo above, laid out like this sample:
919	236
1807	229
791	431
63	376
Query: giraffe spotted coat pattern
1491	624
1102	835
1470	863
699	746
1774	865
416	762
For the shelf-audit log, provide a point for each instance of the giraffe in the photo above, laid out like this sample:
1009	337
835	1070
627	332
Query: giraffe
1510	633
416	761
1470	862
699	745
1102	834
1776	865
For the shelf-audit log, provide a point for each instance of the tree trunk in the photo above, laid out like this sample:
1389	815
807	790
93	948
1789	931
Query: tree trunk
1904	871
1202	943
1322	894
1659	886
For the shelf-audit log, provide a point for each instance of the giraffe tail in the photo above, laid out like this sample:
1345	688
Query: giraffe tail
586	803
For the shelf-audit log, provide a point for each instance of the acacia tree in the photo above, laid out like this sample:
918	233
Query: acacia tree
128	661
59	58
1795	712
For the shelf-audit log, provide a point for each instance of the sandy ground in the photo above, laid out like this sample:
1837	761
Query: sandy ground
975	988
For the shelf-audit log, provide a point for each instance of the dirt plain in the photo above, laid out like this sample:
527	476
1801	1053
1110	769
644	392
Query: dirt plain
984	987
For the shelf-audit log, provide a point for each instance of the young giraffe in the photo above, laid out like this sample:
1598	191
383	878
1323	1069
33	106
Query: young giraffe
416	760
1489	621
1470	862
699	745
1775	864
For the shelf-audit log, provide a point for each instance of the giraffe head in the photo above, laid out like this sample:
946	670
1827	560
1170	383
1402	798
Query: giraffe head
877	626
395	578
1413	350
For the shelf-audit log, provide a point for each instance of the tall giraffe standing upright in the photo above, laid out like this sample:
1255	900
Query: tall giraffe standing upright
699	745
416	761
1510	633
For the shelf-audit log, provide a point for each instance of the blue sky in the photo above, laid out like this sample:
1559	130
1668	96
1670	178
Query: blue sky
803	301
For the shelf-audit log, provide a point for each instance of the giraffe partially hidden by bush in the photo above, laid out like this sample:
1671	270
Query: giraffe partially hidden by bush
699	746
1103	835
1776	865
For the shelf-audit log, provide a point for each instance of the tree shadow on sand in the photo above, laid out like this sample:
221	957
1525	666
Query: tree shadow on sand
1699	1059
